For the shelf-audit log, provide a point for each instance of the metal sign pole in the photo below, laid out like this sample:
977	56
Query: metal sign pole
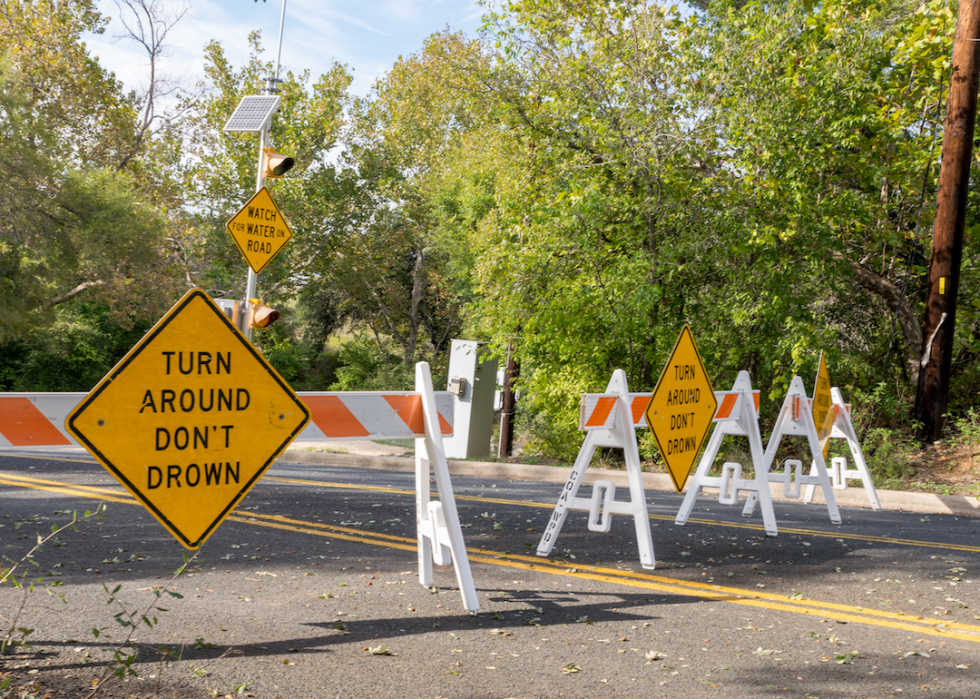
259	183
270	89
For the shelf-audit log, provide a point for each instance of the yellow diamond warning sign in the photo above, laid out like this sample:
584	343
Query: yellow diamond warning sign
190	419
682	408
259	230
822	418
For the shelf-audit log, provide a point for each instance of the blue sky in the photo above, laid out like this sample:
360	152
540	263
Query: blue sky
367	35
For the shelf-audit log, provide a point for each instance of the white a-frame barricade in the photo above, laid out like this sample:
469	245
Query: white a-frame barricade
610	423
737	415
440	538
796	419
839	472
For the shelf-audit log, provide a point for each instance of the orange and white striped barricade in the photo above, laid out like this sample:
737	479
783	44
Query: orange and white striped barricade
796	419
29	420
33	420
36	419
839	472
737	416
609	420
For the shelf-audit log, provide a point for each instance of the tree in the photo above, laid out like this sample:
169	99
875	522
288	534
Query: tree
69	231
754	170
391	277
827	126
579	258
79	226
67	89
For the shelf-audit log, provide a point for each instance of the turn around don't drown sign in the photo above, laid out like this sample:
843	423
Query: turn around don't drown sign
682	408
190	419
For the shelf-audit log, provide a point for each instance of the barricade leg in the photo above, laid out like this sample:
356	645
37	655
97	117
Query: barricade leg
842	421
641	518
820	470
762	465
694	489
422	528
560	514
441	524
764	497
811	487
865	475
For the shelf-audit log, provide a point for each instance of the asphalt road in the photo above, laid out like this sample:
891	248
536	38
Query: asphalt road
310	590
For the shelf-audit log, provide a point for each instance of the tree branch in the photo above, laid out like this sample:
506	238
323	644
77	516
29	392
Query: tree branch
891	294
73	293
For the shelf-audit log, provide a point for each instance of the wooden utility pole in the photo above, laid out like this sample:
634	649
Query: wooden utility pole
506	445
932	394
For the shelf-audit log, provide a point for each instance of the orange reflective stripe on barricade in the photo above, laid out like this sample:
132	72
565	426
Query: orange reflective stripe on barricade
727	405
23	425
601	412
639	407
333	418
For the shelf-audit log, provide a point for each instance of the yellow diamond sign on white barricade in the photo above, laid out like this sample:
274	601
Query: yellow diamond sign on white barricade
259	230
189	419
821	404
682	408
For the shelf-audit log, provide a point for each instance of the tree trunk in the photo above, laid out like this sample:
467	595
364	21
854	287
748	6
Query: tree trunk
939	323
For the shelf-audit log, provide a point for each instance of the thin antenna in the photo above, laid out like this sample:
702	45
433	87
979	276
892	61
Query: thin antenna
282	20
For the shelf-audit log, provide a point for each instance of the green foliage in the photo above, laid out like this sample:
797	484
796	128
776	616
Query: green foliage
885	451
306	364
76	226
367	367
752	170
966	433
72	354
319	310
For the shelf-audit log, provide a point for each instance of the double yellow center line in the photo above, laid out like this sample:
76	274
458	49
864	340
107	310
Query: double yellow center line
646	581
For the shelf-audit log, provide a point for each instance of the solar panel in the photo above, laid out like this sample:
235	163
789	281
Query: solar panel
253	113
